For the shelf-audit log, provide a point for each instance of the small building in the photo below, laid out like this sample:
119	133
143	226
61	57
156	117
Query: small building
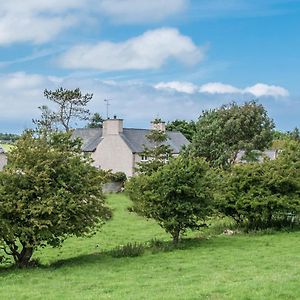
258	156
119	149
3	158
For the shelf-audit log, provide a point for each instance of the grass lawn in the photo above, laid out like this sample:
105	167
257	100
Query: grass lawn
6	147
208	266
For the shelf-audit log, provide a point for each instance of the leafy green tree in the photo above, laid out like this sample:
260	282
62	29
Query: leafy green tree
262	195
295	134
282	139
48	191
222	132
96	121
187	128
178	196
70	105
157	152
8	137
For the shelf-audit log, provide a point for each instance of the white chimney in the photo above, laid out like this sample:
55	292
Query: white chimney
112	126
158	124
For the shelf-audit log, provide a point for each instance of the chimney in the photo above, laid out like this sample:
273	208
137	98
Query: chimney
158	124
112	126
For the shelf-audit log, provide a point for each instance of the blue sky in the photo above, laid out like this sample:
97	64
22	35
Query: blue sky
166	58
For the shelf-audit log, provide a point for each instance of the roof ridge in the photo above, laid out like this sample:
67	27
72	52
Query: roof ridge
136	128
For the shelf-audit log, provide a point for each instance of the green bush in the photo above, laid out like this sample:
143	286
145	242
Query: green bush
178	196
128	250
116	177
263	195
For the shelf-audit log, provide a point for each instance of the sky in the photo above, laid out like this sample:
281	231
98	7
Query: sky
170	59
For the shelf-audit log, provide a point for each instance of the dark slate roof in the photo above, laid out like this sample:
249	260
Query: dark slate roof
91	137
134	138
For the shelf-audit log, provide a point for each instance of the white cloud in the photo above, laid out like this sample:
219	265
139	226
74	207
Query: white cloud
35	29
218	88
136	102
147	51
21	80
137	11
184	87
261	89
257	90
40	21
35	20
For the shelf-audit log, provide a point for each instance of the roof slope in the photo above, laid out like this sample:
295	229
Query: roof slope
91	137
136	139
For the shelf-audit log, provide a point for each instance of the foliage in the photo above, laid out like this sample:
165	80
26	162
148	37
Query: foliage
289	135
95	121
128	250
222	132
8	137
116	177
263	195
178	196
48	191
187	128
281	139
71	105
157	152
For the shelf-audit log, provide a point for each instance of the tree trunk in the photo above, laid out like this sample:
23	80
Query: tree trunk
175	236
23	259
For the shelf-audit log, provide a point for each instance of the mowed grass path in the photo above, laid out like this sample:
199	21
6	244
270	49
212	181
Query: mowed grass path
219	267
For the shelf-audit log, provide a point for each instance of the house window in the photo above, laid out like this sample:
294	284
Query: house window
144	158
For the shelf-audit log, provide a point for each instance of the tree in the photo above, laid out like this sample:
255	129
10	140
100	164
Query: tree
188	129
96	121
295	134
262	195
71	105
156	151
178	196
48	191
8	137
222	132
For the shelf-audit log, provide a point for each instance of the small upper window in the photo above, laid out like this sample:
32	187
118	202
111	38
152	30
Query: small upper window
144	158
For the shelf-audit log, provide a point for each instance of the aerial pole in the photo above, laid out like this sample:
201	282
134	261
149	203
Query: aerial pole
107	107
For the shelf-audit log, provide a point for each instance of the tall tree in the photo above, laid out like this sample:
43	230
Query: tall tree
48	191
70	105
222	132
156	152
95	121
187	128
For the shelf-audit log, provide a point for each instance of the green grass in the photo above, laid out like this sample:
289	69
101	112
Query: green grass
207	266
7	147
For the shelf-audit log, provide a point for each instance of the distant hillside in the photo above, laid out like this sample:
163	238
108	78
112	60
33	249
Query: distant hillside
8	137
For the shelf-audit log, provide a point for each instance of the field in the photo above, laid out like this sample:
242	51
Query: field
6	147
208	265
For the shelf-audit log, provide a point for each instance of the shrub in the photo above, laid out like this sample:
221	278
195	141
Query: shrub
263	195
128	250
115	177
178	196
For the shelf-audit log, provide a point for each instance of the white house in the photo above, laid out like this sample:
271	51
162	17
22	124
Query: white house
3	158
119	149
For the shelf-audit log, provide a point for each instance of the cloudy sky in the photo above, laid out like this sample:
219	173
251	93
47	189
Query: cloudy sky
159	58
